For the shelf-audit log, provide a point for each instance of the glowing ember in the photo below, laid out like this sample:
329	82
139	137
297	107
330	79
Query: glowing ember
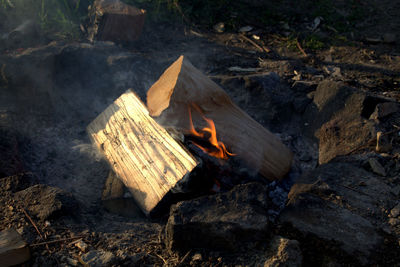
217	148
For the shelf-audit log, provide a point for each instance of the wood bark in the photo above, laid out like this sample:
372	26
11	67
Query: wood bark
142	154
113	20
182	86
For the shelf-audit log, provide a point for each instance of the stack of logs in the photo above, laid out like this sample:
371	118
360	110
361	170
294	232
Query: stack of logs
150	162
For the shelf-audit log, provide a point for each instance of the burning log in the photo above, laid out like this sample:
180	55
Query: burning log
182	89
113	20
142	154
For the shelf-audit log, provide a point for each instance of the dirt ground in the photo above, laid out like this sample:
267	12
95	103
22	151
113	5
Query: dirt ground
47	144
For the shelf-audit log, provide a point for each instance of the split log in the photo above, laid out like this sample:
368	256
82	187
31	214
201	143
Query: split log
142	154
13	249
113	20
182	86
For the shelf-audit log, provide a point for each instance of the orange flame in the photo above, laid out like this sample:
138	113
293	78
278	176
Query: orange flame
218	148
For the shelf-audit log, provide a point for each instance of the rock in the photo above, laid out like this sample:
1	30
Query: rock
81	245
47	202
13	249
286	253
396	190
98	258
16	182
221	221
219	27
338	117
304	86
384	109
330	200
342	135
395	212
394	221
334	99
376	167
245	29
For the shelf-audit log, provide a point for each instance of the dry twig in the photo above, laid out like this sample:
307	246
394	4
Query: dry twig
300	48
184	258
259	48
56	241
36	228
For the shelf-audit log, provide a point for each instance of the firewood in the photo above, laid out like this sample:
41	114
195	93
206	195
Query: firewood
113	20
141	152
183	86
13	249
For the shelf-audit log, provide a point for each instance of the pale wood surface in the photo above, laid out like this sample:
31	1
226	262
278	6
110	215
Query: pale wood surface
182	85
142	154
13	249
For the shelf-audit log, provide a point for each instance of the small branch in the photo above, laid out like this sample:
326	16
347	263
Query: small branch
184	258
259	48
56	241
36	228
370	141
159	256
300	48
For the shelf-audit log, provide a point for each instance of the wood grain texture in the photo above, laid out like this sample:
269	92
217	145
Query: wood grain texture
116	21
143	155
13	249
182	85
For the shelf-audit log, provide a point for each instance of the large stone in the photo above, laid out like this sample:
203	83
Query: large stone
340	206
46	201
221	221
343	135
16	182
98	258
339	118
333	99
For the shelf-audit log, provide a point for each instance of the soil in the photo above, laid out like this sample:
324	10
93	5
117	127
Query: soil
51	92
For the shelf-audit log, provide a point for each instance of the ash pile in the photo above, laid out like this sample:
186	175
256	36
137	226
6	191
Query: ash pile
336	202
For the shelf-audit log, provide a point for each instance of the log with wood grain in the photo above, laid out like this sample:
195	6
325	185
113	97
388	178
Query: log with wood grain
141	152
113	20
183	86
